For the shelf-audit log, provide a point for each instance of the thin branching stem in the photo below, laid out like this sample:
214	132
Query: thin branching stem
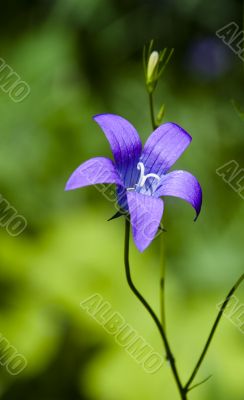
161	327
169	354
215	325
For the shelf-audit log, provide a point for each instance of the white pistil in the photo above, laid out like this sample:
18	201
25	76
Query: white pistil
143	177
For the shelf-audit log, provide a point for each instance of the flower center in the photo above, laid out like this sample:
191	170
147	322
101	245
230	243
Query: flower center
143	178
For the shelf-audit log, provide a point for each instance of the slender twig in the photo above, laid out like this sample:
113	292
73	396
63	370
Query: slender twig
199	383
169	354
220	313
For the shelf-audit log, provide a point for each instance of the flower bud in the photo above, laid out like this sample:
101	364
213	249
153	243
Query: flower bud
152	64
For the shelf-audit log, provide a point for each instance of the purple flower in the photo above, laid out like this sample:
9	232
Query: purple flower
141	175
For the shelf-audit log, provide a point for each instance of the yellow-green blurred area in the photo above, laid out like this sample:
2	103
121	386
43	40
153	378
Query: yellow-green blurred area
80	58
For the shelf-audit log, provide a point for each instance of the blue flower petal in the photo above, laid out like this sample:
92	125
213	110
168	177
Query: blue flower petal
125	144
94	171
164	147
146	213
184	185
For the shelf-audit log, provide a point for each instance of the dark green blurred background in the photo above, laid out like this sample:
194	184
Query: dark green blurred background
80	58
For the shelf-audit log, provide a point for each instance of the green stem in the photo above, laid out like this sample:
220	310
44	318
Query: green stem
243	25
169	354
162	287
162	277
221	311
154	125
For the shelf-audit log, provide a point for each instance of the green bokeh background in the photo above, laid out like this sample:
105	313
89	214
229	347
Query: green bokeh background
80	58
